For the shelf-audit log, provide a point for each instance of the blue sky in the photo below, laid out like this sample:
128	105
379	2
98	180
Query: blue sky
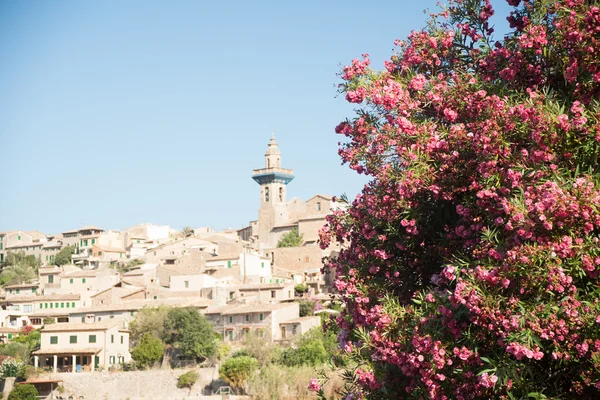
114	113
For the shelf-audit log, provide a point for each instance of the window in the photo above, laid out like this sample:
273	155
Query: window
99	253
53	339
231	319
121	339
36	321
228	264
73	339
261	316
83	280
273	294
231	295
230	335
267	194
33	290
131	313
56	305
68	304
280	194
19	237
187	284
262	264
93	241
318	206
247	317
73	304
27	308
18	291
112	359
155	297
10	335
92	339
71	280
50	305
112	338
62	305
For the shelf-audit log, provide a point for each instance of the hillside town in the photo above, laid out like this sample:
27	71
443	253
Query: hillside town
243	281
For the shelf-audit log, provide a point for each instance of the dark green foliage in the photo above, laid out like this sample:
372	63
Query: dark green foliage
187	380
149	351
291	239
241	353
237	370
64	255
24	392
307	308
191	333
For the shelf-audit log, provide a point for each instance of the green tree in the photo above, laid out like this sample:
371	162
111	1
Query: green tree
148	320
307	308
31	339
313	348
187	380
291	239
24	392
20	258
18	268
149	351
191	333
19	351
237	370
64	255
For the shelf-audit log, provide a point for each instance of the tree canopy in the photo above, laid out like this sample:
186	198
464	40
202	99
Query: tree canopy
291	239
64	255
148	351
189	331
18	268
470	261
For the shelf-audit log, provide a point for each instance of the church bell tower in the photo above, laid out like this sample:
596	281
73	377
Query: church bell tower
273	182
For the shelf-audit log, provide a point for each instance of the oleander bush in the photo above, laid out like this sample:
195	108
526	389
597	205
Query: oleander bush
471	264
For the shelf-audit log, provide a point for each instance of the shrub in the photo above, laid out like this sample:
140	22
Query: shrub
237	370
470	262
148	352
307	308
187	380
23	392
10	368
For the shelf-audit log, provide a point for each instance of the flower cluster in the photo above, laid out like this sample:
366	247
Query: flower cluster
472	254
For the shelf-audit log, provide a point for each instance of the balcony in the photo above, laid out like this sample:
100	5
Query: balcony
266	175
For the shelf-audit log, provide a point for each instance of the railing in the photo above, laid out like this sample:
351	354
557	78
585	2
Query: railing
262	171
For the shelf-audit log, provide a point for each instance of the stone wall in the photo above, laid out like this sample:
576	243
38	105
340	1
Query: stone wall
147	385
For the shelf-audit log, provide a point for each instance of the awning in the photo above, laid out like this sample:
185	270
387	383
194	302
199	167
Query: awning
67	351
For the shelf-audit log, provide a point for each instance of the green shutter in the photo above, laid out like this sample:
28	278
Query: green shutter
92	339
53	339
73	339
71	280
73	304
228	264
